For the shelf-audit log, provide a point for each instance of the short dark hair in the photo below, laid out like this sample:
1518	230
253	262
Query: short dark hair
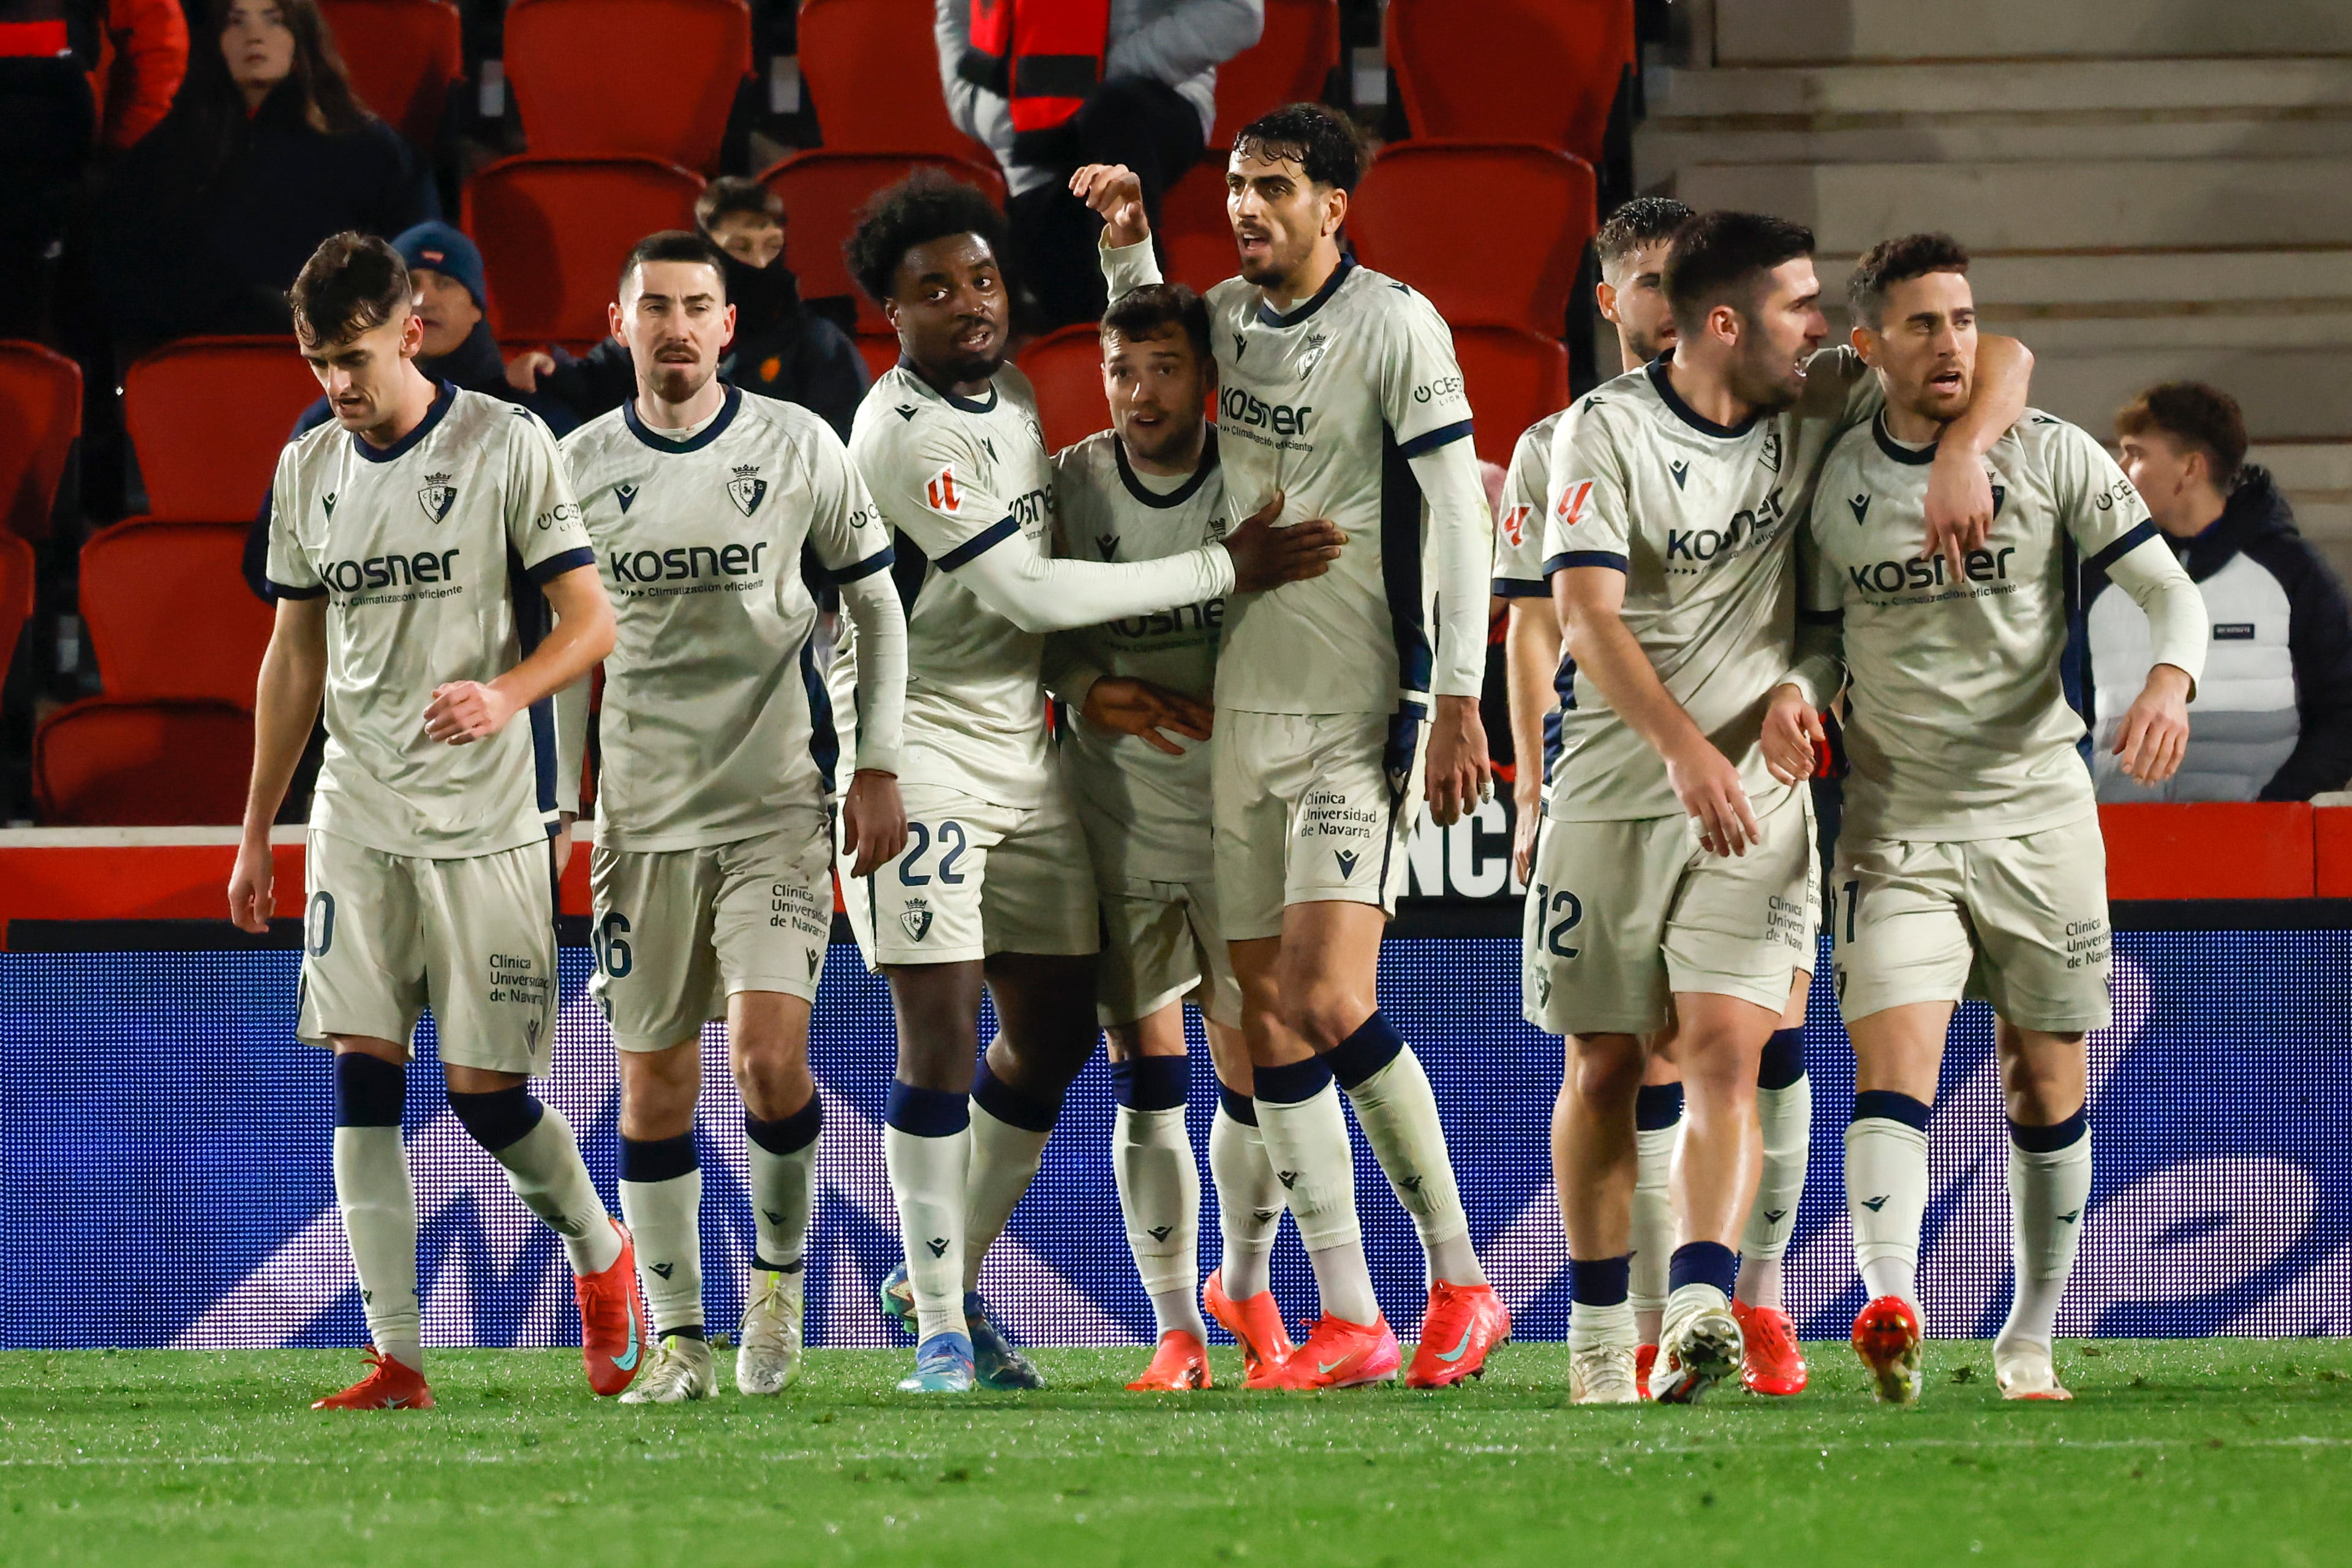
1719	258
2203	417
1892	261
927	205
675	244
733	195
1644	221
1318	139
353	283
1148	311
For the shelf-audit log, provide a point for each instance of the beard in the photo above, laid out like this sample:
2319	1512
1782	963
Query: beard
1767	380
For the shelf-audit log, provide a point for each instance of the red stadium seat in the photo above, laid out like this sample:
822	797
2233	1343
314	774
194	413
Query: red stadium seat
608	78
209	418
862	59
1287	64
1545	71
1513	379
1065	366
17	567
878	350
1491	233
1196	237
169	612
121	762
554	231
822	191
40	407
404	56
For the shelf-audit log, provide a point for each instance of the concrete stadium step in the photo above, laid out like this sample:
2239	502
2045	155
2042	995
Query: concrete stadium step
1777	32
2288	394
2317	479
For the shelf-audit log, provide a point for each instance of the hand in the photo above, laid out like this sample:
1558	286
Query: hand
1458	775
1266	556
249	884
1960	506
524	370
872	821
564	840
1114	192
1527	820
466	710
1792	729
2155	735
1137	707
1709	786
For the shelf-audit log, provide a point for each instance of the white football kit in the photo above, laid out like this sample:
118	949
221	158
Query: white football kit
427	867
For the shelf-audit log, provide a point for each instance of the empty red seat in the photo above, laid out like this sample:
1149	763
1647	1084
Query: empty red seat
40	407
863	61
17	567
1196	237
1288	63
1491	233
605	78
1066	368
208	416
1513	379
125	762
822	191
555	232
169	612
404	56
1544	72
879	350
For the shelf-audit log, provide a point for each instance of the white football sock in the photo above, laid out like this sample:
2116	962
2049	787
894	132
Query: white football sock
1308	1143
784	1195
1785	1116
1589	1326
666	1220
545	1169
1160	1198
927	1187
1887	1194
379	1211
2047	1192
1654	1226
1004	1161
1398	1112
1249	1205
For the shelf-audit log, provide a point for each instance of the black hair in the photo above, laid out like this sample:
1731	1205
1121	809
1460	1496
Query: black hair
1720	257
352	283
2200	418
731	195
675	244
1644	221
1148	311
1319	139
927	205
1892	261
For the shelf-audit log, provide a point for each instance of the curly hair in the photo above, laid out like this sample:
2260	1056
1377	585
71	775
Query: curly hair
1892	261
1644	221
927	205
1320	140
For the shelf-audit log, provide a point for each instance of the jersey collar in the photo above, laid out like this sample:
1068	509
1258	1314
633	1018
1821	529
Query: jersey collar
968	404
1918	457
1181	493
1685	412
1268	317
694	443
444	395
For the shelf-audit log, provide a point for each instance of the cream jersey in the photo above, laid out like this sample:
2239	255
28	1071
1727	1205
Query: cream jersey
1700	517
1519	517
1159	803
1328	404
428	552
1960	725
716	713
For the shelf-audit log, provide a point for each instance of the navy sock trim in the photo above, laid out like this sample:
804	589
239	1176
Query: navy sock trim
1887	1105
1657	1106
928	1112
2050	1140
1152	1083
787	1134
1372	1047
1599	1281
1783	1062
761	1263
1291	1083
658	1159
1238	1106
499	1119
685	1331
369	1090
1013	1106
1703	1263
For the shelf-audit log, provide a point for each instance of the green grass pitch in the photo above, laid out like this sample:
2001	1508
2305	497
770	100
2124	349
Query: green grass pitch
2225	1451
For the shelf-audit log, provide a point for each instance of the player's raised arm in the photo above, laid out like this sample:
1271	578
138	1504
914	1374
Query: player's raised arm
1959	496
1114	192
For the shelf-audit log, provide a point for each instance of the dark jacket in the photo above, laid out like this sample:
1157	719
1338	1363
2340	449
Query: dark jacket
2273	718
193	238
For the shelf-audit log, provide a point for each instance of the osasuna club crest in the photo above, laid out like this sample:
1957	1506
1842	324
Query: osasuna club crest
747	490
918	922
437	496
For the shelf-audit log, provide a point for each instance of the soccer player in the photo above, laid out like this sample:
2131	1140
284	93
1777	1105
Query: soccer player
1150	487
1970	860
1673	874
713	865
411	543
1337	701
995	886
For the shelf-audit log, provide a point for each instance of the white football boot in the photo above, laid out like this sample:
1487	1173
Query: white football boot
769	1357
681	1370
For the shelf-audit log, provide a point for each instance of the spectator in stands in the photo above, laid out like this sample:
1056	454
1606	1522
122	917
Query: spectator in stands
265	153
2273	715
1128	81
143	57
47	130
783	347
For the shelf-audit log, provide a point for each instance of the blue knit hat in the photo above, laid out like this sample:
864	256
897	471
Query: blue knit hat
438	248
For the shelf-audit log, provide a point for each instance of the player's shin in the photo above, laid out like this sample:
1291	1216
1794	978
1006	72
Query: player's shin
1784	1114
1657	1125
1159	1189
661	1203
1398	1112
1886	1190
1306	1137
378	1205
781	1160
1249	1197
1009	1128
534	1144
926	1148
2049	1183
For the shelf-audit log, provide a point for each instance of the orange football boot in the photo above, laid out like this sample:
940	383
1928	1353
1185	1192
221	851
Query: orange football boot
1773	1362
389	1384
1886	1337
1462	1324
1339	1354
611	1320
1180	1364
1644	1360
1255	1322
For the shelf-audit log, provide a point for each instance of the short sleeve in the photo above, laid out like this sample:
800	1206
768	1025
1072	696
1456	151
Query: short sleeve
543	524
1588	518
943	498
1519	521
289	571
1421	398
845	529
2102	508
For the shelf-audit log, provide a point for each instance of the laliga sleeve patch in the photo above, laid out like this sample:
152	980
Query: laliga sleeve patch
941	491
1573	501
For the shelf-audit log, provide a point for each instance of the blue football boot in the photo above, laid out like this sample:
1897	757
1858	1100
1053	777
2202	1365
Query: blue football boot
898	1299
998	1365
942	1365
